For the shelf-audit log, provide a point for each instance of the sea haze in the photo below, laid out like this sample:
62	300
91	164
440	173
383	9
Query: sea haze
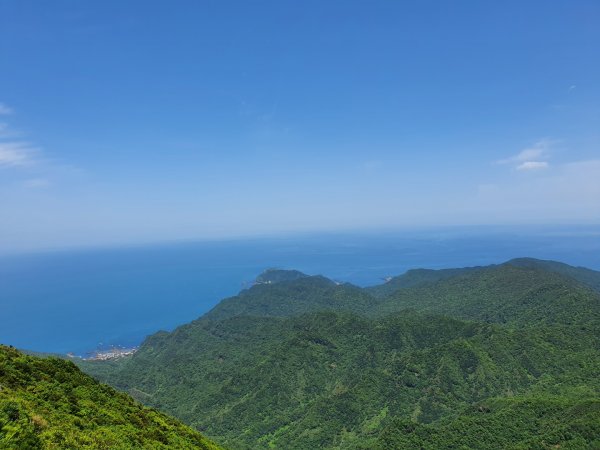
79	301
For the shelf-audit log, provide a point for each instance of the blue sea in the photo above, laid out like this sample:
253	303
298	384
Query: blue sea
80	301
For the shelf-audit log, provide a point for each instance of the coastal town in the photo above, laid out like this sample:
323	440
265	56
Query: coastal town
112	353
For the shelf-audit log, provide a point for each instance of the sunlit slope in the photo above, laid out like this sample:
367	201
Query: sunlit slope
293	296
506	293
415	278
48	403
303	362
518	292
329	379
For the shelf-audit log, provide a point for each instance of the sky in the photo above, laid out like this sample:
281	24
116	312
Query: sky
140	121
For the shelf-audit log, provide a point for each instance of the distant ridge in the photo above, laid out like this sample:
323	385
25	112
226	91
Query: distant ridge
416	277
582	274
505	293
287	293
518	291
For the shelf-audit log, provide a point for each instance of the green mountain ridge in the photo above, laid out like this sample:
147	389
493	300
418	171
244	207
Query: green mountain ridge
414	278
508	292
278	275
293	297
584	275
503	294
304	362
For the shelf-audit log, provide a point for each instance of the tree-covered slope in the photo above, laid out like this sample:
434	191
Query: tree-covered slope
302	362
334	379
518	293
416	277
421	277
292	295
270	276
582	274
513	423
505	293
48	403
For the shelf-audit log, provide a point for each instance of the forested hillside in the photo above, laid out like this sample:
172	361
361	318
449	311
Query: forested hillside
528	422
293	297
506	294
48	403
457	358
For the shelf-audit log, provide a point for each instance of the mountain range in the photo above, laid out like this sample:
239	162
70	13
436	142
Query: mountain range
502	356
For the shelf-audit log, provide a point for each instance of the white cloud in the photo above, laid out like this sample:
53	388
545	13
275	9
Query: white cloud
532	165
537	151
16	154
531	158
5	110
13	152
529	153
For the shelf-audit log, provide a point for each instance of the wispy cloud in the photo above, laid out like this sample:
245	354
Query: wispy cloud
16	154
531	158
532	165
13	151
28	164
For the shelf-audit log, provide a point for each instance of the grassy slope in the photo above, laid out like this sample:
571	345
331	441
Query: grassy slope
49	403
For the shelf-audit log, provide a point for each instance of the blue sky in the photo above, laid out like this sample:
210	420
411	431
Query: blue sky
124	122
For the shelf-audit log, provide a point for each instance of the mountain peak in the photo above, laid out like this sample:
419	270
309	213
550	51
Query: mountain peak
271	276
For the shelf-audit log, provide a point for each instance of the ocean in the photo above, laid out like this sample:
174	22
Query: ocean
83	300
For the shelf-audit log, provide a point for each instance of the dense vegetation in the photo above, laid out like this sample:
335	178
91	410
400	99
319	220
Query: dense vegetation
537	422
504	356
48	403
293	297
